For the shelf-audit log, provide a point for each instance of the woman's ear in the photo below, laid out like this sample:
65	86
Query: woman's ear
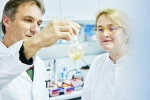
126	38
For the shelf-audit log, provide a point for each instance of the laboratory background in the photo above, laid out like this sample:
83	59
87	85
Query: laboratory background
69	73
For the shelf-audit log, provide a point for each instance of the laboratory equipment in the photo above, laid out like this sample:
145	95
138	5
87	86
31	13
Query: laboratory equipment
75	50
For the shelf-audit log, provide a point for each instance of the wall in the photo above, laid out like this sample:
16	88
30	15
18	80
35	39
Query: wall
1	33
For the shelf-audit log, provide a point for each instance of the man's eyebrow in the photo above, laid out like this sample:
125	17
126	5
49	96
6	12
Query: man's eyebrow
31	18
28	17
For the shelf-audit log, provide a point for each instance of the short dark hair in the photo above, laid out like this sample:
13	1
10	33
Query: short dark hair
11	7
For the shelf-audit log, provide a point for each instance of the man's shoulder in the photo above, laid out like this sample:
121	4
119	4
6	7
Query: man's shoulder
39	63
37	58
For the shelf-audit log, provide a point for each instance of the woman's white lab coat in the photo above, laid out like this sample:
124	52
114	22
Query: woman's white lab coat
108	81
15	83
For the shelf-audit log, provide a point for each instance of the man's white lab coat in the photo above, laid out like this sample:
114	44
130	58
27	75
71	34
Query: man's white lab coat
15	83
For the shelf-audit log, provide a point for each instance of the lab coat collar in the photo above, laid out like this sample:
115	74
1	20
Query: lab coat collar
4	50
128	56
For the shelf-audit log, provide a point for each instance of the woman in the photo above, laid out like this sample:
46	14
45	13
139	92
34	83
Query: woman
109	72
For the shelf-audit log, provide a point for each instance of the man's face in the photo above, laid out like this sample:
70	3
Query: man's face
26	23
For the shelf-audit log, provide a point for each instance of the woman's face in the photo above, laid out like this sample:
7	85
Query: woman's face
109	41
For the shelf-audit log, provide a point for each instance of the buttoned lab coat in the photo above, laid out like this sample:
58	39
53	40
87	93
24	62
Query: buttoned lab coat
108	81
15	83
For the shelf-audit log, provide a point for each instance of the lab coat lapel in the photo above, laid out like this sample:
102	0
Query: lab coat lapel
26	76
37	72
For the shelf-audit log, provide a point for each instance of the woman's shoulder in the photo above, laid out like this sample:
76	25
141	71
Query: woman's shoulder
101	56
98	60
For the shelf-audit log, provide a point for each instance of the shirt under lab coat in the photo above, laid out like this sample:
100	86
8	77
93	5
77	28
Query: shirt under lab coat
15	83
108	81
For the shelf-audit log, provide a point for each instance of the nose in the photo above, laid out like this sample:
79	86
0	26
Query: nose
34	28
105	33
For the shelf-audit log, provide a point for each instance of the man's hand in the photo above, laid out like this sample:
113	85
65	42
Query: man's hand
55	30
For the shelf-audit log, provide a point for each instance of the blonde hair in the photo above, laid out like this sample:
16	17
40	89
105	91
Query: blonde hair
118	17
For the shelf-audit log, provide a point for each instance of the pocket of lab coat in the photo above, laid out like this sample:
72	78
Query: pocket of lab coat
8	94
101	97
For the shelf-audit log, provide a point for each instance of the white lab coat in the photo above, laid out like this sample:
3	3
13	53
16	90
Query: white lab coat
108	81
15	83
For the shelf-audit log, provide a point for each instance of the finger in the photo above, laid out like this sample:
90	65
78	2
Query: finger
66	29
73	25
65	35
59	22
69	29
76	24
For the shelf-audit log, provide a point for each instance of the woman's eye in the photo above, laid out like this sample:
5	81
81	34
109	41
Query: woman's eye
100	30
112	28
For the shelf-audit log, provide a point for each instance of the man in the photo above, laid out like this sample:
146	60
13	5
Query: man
22	39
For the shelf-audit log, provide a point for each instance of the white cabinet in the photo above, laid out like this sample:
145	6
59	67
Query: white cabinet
130	7
52	10
2	4
77	10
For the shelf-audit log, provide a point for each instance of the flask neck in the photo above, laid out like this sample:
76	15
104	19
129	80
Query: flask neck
74	40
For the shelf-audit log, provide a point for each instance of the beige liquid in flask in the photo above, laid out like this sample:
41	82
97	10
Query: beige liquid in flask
75	50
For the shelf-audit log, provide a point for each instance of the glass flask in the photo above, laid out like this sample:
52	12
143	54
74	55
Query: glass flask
75	50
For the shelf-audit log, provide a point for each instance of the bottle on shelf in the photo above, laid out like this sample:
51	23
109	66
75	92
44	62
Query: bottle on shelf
63	73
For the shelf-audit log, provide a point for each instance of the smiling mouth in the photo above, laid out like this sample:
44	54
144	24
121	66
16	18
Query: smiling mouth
28	36
107	41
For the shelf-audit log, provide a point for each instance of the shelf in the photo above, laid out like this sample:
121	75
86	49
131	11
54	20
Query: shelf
74	94
44	23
